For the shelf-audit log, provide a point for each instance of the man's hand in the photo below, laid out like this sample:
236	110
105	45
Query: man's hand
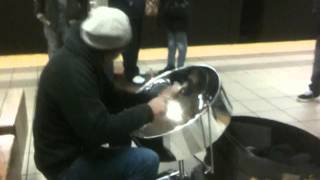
158	106
171	91
43	19
39	15
159	103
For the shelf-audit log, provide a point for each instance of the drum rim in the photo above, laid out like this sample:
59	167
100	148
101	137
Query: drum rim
177	128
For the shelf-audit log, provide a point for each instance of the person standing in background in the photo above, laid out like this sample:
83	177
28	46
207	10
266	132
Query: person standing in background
56	16
314	87
135	10
175	15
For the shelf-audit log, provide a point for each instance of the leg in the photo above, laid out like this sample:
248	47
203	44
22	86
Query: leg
52	40
182	44
62	20
314	86
130	55
117	164
315	77
56	36
171	50
144	164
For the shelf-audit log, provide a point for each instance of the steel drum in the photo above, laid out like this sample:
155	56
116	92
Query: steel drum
195	118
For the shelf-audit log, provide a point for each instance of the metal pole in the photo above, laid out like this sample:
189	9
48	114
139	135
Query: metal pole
181	169
210	138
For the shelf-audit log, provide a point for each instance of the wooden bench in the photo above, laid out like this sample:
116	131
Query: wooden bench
13	134
6	152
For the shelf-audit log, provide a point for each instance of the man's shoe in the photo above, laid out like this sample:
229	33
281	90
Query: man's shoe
307	96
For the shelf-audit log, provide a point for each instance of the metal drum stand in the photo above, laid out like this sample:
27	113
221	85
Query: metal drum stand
180	174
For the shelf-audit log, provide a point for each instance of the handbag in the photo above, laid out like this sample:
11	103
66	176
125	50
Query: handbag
152	7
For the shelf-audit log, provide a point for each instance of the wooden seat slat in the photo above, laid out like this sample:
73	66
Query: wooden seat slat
13	134
6	151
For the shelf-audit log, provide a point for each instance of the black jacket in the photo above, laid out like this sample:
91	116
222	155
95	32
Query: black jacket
133	8
175	14
78	109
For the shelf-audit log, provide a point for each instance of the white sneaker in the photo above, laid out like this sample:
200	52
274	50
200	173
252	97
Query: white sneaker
138	79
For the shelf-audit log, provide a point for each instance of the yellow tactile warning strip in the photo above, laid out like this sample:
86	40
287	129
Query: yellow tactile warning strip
34	60
21	61
233	49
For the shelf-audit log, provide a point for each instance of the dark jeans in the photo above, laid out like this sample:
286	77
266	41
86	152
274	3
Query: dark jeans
131	53
56	36
315	77
54	40
116	164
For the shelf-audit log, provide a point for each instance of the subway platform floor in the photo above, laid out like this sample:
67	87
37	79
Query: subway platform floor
261	79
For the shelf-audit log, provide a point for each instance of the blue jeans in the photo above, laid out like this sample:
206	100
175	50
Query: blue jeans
116	164
177	40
